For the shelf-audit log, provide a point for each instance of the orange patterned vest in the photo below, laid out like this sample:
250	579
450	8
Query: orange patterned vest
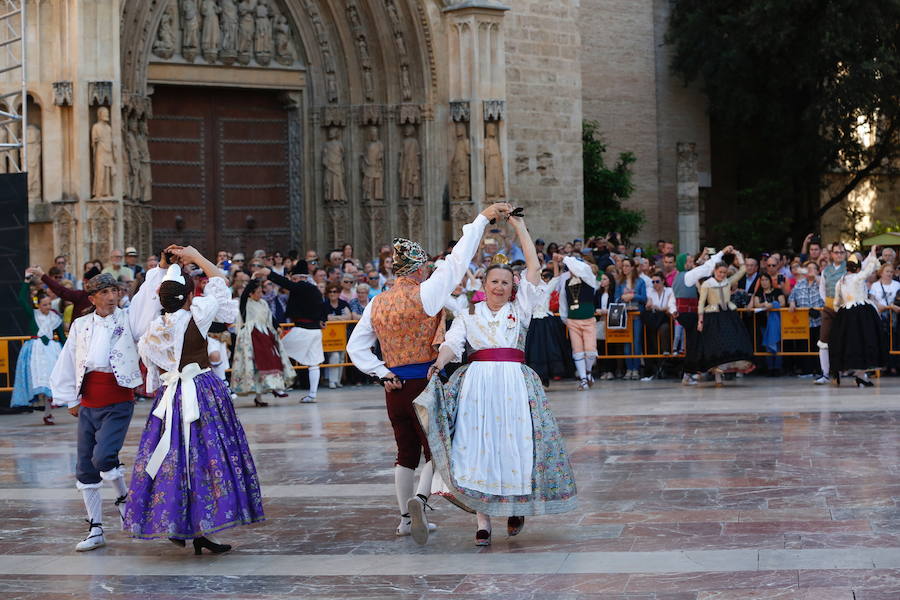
407	334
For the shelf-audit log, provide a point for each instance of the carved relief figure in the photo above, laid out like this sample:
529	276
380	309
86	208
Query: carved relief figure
333	162
263	41
331	87
284	51
190	29
133	148
373	167
460	187
211	33
164	46
405	84
494	186
246	29
102	153
33	138
144	149
410	161
229	21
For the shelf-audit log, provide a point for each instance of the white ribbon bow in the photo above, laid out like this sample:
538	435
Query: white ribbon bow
190	412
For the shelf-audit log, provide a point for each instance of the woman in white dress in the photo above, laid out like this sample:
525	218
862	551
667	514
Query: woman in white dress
496	446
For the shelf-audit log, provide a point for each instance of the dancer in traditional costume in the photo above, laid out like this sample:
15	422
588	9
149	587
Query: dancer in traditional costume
303	343
260	363
408	321
39	354
496	445
831	274
723	344
858	343
686	289
547	350
193	472
95	376
577	287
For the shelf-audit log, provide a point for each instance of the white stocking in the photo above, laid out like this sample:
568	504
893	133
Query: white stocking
404	483
313	381
425	479
589	360
579	365
824	359
93	503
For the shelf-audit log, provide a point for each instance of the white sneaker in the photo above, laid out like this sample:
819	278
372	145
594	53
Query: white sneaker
332	385
415	507
648	378
307	400
583	385
823	380
93	541
688	380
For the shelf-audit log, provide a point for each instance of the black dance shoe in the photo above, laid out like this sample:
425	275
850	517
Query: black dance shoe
202	542
482	537
515	525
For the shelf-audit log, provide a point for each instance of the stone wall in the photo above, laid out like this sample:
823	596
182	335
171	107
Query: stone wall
543	52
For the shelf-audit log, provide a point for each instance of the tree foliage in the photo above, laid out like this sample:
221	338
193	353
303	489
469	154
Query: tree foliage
606	188
807	87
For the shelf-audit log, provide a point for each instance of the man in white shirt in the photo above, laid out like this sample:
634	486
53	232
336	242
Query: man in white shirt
95	375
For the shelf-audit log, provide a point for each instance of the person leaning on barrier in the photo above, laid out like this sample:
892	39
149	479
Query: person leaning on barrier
806	294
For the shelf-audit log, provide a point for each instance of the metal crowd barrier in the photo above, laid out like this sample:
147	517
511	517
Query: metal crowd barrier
794	326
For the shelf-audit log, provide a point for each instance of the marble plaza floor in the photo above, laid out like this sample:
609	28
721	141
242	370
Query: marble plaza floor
766	489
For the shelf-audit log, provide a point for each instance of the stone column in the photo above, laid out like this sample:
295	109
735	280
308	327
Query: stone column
477	88
688	197
293	104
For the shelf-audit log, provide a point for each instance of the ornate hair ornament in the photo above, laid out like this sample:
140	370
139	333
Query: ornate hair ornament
499	259
174	274
408	256
853	258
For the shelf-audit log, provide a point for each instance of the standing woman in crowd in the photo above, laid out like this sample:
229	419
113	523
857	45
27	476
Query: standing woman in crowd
38	355
723	343
260	362
547	351
193	471
632	291
858	343
505	455
884	293
770	299
336	309
606	293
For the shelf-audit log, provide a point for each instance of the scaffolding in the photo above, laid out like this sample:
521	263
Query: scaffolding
13	105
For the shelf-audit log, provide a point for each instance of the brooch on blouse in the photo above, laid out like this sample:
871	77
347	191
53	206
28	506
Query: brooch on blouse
510	321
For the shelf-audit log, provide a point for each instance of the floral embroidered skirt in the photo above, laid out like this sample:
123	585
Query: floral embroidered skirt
217	490
552	480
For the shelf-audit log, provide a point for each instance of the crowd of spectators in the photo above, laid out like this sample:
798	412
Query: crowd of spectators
641	278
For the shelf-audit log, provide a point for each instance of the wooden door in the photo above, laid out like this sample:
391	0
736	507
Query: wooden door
219	159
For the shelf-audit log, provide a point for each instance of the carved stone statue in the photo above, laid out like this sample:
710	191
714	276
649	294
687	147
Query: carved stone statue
333	162
33	138
229	20
190	29
373	167
494	185
263	42
211	34
284	51
460	184
410	165
146	174
164	46
331	87
405	84
102	153
133	148
246	29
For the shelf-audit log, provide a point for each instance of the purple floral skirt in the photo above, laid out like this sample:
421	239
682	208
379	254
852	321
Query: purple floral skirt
224	488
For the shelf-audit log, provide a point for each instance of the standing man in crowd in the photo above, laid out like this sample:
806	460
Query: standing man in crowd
748	281
117	268
830	276
408	321
131	261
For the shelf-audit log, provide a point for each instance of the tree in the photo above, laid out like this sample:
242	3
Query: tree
809	88
605	189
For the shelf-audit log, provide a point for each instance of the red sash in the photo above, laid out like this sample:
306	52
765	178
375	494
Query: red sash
100	389
498	355
686	305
